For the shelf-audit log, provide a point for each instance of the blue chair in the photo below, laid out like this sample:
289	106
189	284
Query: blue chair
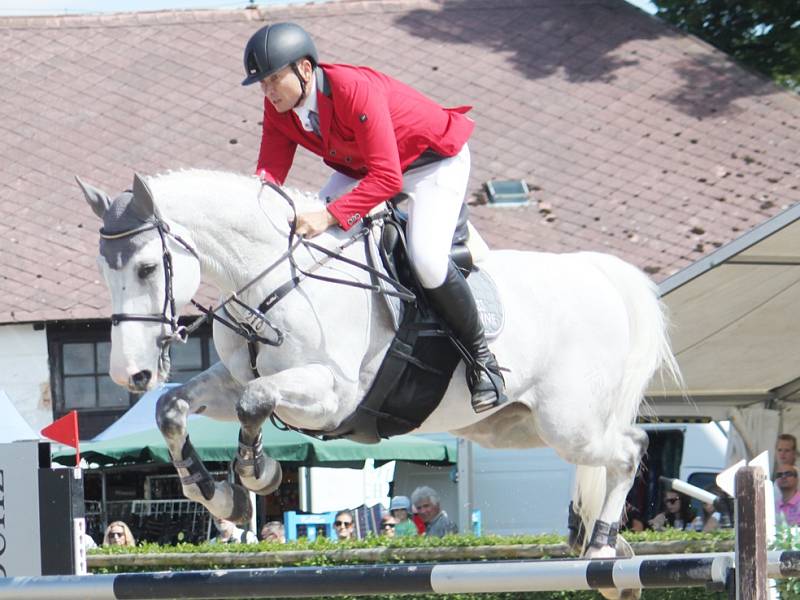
477	522
292	520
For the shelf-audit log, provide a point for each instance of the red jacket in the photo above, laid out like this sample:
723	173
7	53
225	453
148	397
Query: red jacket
373	127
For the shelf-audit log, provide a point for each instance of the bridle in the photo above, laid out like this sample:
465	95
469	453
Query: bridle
168	315
248	330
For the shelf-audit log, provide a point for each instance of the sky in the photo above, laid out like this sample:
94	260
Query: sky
75	7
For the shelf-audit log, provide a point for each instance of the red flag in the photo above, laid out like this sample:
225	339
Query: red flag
65	431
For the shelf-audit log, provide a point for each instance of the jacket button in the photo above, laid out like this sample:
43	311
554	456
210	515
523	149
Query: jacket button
333	152
348	159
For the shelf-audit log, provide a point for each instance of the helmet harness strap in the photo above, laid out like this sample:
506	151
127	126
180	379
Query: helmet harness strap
302	81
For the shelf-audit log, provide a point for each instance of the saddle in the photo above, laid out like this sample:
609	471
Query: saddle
421	359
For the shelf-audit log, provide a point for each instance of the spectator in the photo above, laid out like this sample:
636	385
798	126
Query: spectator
400	508
388	526
427	503
229	533
786	449
118	534
273	532
788	503
631	519
677	513
344	525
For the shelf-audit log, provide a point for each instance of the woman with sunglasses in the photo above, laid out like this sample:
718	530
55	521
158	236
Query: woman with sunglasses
344	525
118	534
388	525
677	514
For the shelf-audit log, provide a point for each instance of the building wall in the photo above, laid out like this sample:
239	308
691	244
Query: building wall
24	372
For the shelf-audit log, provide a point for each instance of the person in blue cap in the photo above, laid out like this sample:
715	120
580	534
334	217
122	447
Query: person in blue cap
400	507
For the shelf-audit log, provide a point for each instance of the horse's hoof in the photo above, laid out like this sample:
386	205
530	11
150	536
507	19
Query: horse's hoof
242	509
269	472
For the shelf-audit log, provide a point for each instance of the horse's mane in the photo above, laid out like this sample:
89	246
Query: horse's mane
191	184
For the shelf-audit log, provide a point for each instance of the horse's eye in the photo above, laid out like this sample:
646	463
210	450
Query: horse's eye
145	271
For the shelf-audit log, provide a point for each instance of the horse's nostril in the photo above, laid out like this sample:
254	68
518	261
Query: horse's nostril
141	379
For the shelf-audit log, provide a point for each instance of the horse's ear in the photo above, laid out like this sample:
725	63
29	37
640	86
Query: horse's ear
143	204
97	199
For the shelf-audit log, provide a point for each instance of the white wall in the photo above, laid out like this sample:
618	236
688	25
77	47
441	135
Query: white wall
336	489
24	372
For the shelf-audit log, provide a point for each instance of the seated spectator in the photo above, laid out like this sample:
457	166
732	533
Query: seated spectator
229	533
344	525
427	503
400	508
677	513
118	534
273	532
631	519
388	525
787	503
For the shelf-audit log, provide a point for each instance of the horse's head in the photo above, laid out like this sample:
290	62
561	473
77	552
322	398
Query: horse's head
152	272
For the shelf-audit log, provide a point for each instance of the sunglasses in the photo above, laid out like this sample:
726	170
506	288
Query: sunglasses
116	534
387	525
780	474
671	500
343	523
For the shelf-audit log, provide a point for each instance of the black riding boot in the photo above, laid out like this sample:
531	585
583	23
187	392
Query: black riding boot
455	304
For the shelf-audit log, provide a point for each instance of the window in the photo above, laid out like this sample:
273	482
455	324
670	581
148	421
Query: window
84	374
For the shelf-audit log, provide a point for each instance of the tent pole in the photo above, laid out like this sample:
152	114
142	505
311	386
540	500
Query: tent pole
103	498
304	488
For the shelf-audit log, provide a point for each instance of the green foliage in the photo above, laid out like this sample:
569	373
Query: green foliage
450	541
787	538
763	34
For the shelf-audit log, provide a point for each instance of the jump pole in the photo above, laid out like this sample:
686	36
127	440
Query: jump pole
751	535
644	572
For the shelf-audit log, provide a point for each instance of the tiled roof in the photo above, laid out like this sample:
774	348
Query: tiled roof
636	139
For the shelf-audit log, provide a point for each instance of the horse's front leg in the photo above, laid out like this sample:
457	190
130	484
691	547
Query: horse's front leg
307	392
214	392
257	471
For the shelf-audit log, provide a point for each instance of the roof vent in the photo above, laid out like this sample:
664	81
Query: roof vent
507	192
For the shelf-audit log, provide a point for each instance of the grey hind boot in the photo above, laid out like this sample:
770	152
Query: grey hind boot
454	302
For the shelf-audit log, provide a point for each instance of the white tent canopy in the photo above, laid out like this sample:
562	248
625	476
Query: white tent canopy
13	427
735	330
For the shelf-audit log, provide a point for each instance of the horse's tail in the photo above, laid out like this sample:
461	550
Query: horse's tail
649	351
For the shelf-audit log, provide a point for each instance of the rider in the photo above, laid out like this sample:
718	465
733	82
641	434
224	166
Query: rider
381	137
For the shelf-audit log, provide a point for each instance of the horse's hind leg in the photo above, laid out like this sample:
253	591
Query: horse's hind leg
208	389
620	471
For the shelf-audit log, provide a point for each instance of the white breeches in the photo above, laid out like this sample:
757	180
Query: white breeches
437	193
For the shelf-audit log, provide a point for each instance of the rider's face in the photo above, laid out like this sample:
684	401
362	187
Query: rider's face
283	87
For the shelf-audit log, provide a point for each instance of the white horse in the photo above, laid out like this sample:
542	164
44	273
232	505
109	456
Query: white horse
584	334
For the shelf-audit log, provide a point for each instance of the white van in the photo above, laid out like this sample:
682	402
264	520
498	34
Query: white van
528	491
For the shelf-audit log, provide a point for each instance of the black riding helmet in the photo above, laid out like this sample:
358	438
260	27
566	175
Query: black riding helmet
273	47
